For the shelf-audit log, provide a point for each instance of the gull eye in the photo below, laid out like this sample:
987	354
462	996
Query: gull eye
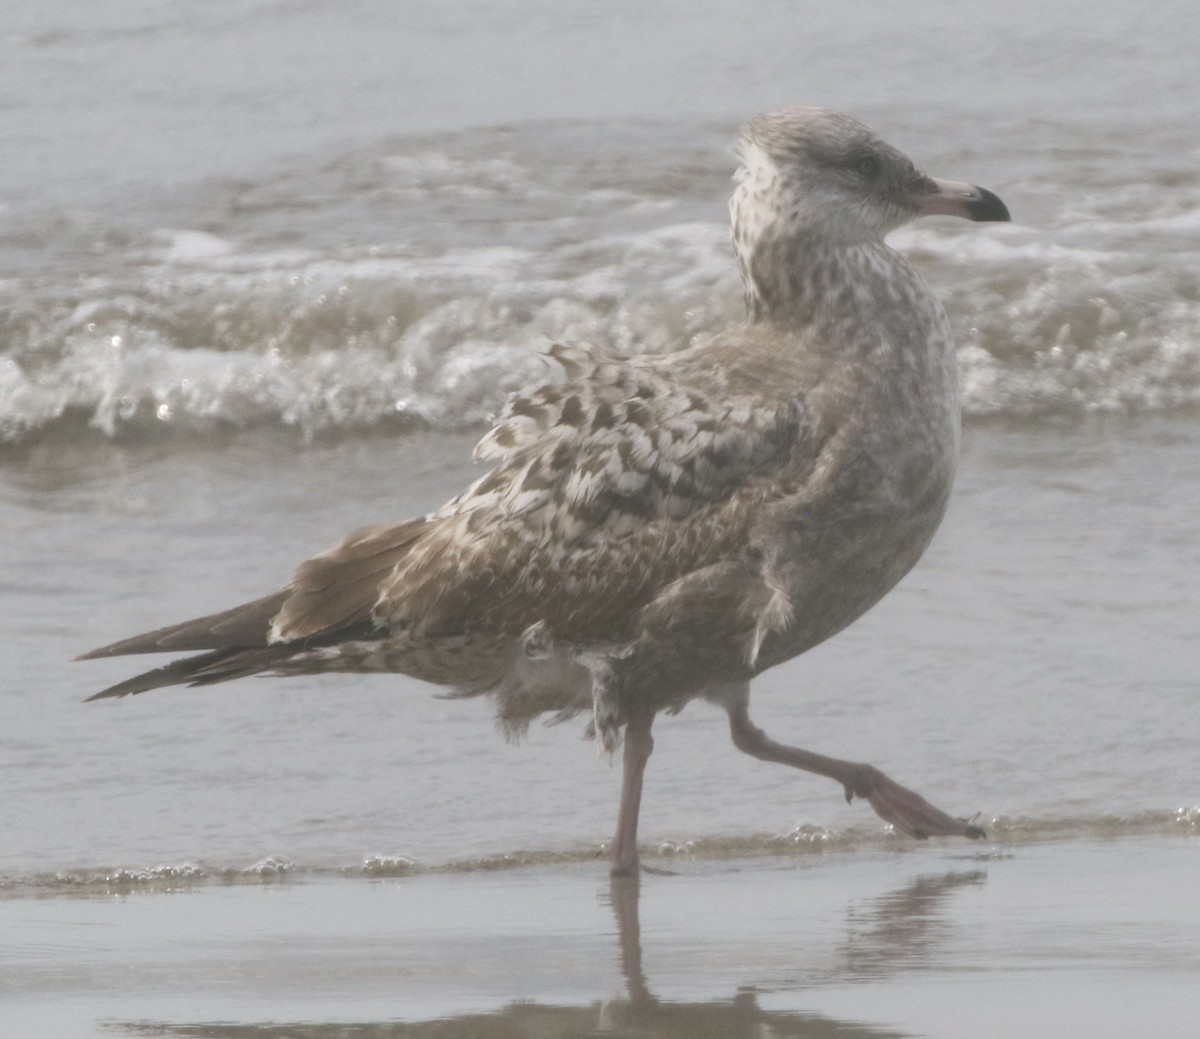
868	165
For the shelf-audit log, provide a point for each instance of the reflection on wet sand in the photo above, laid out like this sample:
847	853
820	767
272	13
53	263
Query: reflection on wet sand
738	1018
891	933
902	930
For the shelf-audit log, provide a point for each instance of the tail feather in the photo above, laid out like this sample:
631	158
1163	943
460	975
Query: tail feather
331	599
220	665
241	627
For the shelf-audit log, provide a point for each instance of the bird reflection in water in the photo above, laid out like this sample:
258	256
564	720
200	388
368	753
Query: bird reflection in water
892	933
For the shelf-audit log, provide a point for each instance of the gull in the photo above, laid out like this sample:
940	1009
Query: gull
659	529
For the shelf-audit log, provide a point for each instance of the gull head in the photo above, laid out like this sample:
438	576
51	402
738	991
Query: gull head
814	169
810	180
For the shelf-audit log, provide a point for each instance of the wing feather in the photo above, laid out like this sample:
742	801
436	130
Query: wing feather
246	625
341	588
607	489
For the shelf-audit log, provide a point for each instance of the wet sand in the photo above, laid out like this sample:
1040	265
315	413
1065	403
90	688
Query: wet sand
1085	938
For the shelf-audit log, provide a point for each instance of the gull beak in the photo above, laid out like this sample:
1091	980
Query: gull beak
954	198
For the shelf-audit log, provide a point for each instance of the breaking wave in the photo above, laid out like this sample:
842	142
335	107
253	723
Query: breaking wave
434	314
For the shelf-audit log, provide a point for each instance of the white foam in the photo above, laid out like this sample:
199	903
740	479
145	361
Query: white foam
191	246
210	334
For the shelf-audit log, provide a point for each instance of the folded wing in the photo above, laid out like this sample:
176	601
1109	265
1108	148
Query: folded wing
607	488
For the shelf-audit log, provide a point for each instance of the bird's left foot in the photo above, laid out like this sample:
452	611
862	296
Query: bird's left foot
905	809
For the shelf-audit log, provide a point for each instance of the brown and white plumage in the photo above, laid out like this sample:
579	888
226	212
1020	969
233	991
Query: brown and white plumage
656	529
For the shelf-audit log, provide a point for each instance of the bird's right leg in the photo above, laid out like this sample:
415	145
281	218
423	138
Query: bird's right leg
623	852
905	809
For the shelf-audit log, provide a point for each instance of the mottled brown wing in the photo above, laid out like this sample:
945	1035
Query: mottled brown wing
609	488
340	589
593	376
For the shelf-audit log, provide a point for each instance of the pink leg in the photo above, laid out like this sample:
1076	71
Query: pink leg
623	852
905	809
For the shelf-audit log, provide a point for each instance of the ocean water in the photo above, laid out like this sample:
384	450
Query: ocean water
265	270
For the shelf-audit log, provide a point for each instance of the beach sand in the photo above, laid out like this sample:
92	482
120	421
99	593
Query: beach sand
1083	938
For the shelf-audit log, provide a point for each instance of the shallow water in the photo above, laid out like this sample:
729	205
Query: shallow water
1037	667
265	269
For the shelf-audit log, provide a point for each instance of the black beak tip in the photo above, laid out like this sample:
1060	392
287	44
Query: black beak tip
987	207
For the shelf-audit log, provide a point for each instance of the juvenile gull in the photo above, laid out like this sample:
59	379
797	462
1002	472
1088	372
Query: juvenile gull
660	529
